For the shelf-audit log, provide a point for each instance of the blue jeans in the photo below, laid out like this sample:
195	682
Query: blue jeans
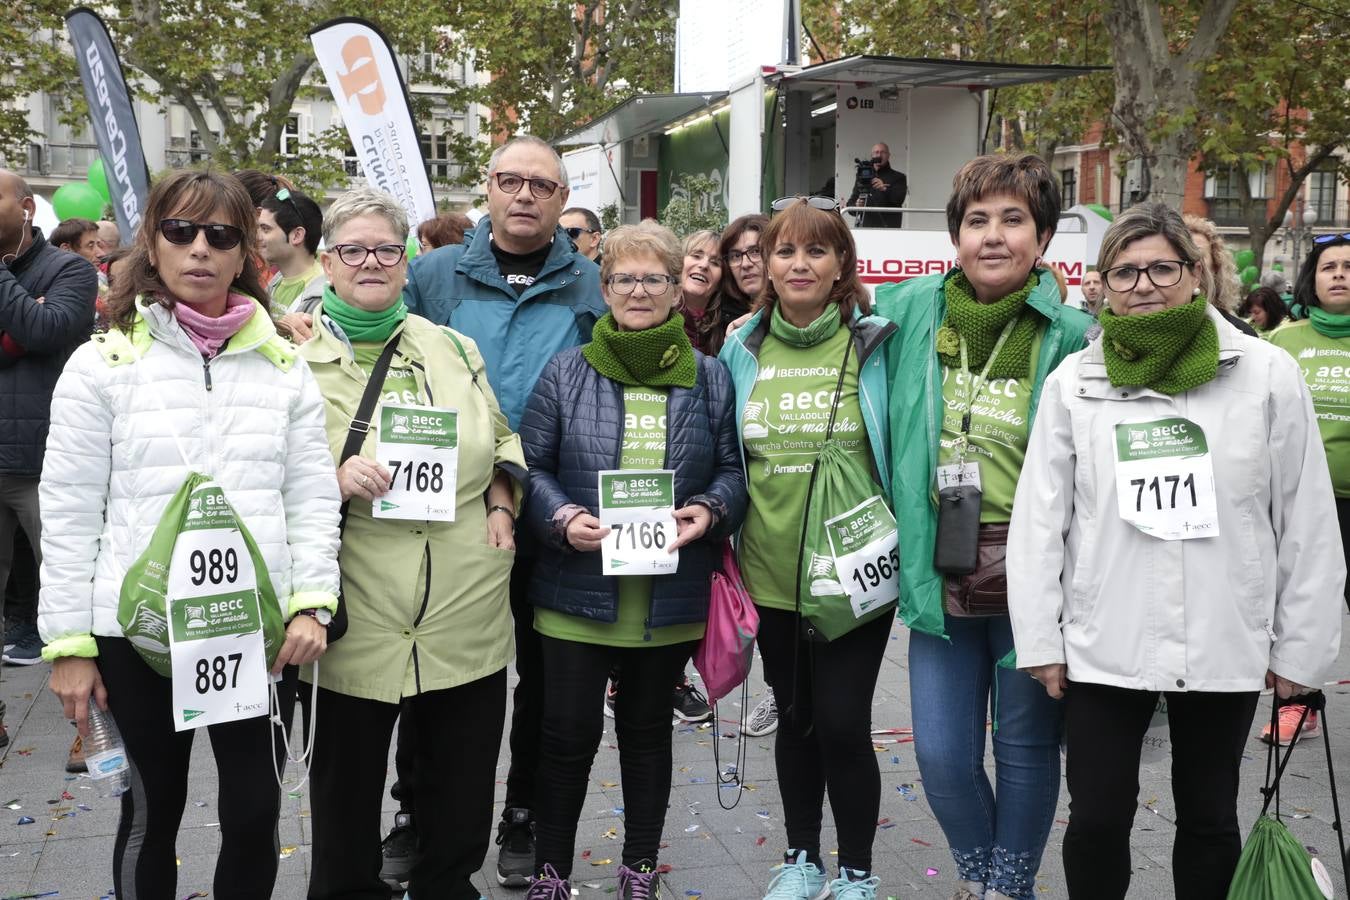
996	836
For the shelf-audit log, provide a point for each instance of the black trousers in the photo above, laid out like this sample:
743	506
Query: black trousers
1105	729
248	802
574	685
453	804
824	740
1343	516
527	701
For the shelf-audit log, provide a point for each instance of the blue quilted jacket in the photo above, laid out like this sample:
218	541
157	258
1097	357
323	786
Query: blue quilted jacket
572	429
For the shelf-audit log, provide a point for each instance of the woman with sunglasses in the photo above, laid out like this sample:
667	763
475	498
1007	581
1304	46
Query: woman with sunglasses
1323	288
1169	534
638	399
430	494
192	377
811	361
742	260
976	345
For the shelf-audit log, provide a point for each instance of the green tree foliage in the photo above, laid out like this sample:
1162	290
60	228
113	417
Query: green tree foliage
695	204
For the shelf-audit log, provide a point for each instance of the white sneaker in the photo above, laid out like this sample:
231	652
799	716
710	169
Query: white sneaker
763	719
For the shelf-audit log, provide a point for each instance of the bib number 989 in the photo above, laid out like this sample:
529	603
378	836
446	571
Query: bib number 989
214	566
872	574
211	674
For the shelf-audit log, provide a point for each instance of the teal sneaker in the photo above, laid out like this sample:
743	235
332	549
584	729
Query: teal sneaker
853	884
798	879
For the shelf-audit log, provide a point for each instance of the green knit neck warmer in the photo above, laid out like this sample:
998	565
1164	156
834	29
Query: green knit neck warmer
1169	351
654	357
823	328
1329	324
980	324
360	324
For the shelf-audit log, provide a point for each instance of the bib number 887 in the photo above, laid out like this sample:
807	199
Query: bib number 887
421	476
211	674
872	574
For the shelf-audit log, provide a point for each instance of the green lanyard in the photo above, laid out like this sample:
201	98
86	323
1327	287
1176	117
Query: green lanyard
963	440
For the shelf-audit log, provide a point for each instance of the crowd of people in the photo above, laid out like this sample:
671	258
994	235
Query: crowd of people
423	470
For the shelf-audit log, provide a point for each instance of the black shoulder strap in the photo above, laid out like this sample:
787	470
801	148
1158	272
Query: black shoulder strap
360	427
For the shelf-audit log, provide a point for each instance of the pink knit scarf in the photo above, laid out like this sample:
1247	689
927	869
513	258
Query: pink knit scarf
209	334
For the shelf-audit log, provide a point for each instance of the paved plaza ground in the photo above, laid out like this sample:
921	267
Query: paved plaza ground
713	854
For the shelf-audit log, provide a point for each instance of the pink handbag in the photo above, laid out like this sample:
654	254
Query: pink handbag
723	656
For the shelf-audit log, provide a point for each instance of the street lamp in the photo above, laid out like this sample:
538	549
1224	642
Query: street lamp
1298	221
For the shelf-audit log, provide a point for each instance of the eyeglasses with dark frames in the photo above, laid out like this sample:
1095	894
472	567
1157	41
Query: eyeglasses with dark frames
184	231
734	257
1163	273
511	183
355	255
624	284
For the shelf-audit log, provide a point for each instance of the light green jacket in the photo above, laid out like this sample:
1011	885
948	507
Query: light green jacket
427	602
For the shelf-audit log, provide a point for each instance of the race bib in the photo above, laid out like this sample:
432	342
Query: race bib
419	445
1165	479
218	660
638	506
865	544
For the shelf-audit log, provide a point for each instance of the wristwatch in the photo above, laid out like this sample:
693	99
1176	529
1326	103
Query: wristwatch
321	615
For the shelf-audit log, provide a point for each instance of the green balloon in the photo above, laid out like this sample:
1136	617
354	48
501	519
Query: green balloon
412	246
77	201
1101	211
1244	259
98	179
1249	274
1278	266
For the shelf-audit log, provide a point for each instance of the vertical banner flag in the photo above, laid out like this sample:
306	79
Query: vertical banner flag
115	129
359	66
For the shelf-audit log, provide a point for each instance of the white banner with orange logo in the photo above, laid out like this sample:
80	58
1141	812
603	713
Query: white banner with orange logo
359	66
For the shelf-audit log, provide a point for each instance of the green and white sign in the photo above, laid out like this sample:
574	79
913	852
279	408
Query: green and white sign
865	544
215	623
419	445
1165	479
638	506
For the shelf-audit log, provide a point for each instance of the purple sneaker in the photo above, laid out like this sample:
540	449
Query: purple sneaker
642	882
549	886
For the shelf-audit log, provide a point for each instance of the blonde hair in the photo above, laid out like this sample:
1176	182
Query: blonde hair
364	201
1146	220
646	237
1218	273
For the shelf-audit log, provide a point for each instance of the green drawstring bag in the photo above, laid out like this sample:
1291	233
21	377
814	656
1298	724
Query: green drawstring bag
1274	866
142	609
848	568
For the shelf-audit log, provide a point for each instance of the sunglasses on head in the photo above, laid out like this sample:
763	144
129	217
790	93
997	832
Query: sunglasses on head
1328	238
183	231
826	203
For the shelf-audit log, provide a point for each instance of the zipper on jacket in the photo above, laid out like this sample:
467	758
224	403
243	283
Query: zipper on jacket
647	628
206	371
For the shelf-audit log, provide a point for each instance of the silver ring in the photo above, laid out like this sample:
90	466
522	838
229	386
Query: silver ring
365	481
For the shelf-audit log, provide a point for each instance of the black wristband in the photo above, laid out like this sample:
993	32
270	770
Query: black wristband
506	509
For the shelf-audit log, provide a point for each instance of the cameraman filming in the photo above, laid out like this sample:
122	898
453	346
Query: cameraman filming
886	187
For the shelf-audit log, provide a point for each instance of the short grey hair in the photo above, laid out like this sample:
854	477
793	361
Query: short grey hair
364	201
1146	220
532	141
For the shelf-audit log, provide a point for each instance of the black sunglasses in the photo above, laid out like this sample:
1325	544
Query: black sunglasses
183	231
575	232
1328	238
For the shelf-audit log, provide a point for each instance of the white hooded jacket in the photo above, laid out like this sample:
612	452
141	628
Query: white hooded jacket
1126	609
132	417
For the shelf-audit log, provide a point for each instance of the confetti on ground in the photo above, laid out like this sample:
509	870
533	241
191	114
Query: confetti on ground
921	843
26	820
585	854
609	784
760	841
67	795
196	894
932	872
288	852
601	862
691	829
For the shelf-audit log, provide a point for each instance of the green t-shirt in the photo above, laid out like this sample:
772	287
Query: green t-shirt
288	289
400	383
783	430
644	447
999	431
1326	369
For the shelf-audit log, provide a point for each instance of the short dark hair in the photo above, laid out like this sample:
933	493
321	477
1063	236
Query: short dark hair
592	221
70	231
1021	175
447	228
1268	300
297	210
755	222
1305	289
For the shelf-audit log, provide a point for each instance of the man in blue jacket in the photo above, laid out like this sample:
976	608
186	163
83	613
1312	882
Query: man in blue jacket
46	311
520	289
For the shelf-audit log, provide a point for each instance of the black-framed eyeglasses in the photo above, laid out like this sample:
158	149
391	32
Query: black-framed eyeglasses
754	254
654	285
511	183
184	231
1162	273
1328	238
828	204
576	231
355	255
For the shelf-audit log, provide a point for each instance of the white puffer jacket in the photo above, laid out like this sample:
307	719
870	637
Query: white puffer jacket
132	418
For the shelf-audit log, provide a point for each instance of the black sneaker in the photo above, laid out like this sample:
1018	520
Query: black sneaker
399	852
689	705
515	861
27	648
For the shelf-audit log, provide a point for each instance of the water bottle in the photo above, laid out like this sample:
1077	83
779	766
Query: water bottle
105	755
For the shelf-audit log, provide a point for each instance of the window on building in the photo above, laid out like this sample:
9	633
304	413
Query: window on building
436	146
350	161
1068	182
1322	185
289	143
1223	191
